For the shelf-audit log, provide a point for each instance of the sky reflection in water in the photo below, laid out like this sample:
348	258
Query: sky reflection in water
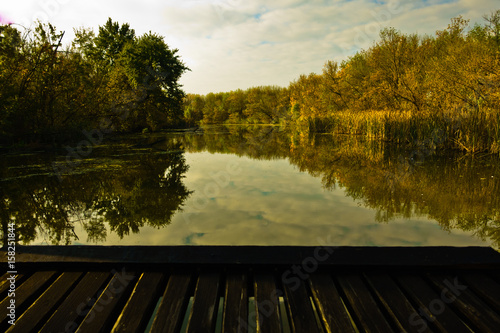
254	186
271	202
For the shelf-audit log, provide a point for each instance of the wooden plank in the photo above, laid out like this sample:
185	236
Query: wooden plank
426	299
5	284
101	317
301	313
332	311
74	307
33	317
395	302
365	307
173	304
277	255
485	287
26	290
266	303
140	305
235	303
203	315
481	295
471	306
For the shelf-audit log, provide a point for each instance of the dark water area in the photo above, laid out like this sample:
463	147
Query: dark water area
261	185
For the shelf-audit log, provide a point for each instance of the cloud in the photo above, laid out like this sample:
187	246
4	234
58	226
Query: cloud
277	44
231	44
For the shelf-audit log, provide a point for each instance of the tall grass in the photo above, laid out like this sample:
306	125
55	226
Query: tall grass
472	130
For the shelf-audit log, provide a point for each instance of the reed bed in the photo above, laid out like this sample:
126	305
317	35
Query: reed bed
473	131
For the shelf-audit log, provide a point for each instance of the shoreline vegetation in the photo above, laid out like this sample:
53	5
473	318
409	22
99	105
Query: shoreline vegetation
441	91
110	81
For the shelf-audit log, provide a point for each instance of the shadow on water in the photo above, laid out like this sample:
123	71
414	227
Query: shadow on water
138	181
119	188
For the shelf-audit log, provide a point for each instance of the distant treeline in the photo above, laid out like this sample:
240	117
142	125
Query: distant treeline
112	80
443	90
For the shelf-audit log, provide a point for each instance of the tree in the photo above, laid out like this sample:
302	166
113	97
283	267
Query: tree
154	70
10	66
111	40
51	94
399	65
334	94
493	27
262	104
193	108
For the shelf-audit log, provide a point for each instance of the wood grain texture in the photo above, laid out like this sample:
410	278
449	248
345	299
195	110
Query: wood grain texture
266	303
72	310
301	313
416	296
332	312
109	304
205	303
28	289
235	303
41	309
173	304
140	305
365	307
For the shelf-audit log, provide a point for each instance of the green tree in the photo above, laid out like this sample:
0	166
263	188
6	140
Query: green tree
493	26
193	108
111	40
50	94
154	70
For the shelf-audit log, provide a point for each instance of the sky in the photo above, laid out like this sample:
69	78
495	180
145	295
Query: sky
237	44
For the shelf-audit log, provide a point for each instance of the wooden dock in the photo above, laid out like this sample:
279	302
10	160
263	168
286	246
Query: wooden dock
252	289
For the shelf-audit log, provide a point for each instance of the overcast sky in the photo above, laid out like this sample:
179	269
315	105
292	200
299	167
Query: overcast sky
231	44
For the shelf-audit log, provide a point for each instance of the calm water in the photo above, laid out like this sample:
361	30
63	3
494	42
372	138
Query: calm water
251	186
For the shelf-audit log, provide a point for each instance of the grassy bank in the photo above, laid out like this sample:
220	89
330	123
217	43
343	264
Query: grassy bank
470	131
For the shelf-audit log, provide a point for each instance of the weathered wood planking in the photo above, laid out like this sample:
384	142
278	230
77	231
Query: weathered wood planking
68	314
101	318
138	309
266	303
205	303
331	308
301	313
37	314
236	302
125	296
173	304
421	293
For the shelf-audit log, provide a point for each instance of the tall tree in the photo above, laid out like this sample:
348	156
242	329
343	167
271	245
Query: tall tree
111	40
154	69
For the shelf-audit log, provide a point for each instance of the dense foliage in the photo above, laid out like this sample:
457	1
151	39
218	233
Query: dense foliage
405	88
112	80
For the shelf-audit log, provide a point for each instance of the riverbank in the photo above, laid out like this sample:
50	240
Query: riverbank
441	90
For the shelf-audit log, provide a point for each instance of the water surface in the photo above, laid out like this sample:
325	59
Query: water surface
252	186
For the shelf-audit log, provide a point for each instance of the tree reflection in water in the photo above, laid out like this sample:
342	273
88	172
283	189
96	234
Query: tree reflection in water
117	189
459	192
120	190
